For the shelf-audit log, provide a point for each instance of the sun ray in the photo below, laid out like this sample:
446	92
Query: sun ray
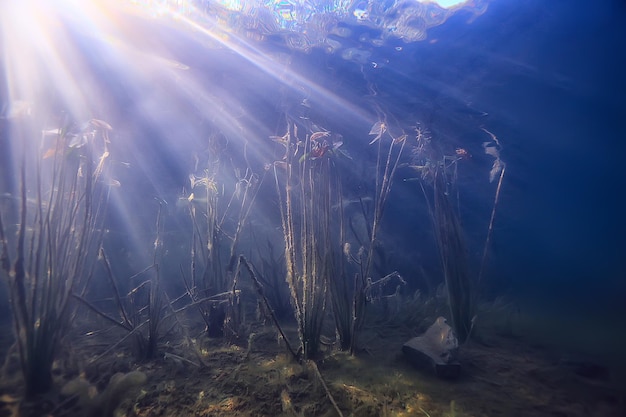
151	64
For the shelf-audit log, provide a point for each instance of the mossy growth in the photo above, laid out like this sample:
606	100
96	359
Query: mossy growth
91	404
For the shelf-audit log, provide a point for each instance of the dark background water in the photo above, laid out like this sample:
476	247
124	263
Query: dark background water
551	78
548	78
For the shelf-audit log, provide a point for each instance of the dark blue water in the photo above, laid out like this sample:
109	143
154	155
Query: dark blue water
547	78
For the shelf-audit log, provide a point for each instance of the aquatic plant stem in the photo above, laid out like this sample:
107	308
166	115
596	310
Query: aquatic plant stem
54	243
286	211
483	261
305	205
453	255
338	284
260	292
383	188
316	370
214	241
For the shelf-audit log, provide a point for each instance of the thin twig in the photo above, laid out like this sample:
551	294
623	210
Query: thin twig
259	289
313	365
124	325
118	299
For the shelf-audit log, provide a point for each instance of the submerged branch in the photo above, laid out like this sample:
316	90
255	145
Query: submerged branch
259	288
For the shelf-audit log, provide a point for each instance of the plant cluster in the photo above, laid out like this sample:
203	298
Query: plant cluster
51	260
438	181
59	231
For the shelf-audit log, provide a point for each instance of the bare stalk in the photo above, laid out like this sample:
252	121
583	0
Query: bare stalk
55	244
261	293
483	261
214	241
385	171
135	317
306	205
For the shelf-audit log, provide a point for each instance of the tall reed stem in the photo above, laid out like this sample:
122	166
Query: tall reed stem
214	244
306	205
453	255
386	165
55	244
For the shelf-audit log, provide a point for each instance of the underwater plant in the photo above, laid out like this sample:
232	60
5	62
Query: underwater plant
143	307
59	231
498	169
271	274
89	403
454	257
307	192
219	207
263	299
440	174
316	248
387	161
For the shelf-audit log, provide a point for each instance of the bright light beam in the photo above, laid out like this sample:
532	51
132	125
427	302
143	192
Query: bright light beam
274	69
446	4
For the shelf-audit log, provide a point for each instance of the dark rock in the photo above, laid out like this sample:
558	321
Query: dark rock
586	368
435	350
